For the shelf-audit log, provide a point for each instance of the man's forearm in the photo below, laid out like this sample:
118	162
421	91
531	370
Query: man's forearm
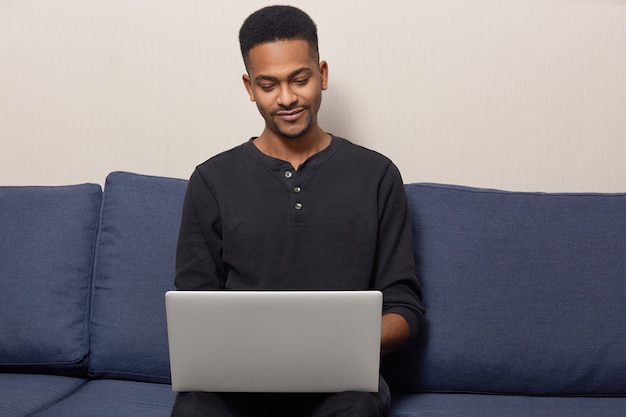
394	333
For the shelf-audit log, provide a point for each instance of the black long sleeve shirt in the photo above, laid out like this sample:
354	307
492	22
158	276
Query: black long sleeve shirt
338	222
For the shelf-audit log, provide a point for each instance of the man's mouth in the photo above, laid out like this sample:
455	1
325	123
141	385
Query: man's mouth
289	115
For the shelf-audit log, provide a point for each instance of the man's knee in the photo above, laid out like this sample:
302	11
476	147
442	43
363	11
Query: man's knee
364	405
353	404
200	404
183	406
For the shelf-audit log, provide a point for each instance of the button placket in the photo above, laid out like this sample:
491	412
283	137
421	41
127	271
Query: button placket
296	190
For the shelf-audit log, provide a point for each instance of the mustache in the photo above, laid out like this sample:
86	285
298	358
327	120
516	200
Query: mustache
289	109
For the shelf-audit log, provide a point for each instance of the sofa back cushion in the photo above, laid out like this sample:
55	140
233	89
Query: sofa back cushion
46	250
525	293
133	270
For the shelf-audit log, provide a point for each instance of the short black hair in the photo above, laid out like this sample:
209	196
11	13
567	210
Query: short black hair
277	23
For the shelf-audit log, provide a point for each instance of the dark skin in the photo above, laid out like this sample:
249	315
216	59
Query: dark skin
286	83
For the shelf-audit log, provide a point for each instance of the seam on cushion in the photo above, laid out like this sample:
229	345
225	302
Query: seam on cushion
130	376
502	394
85	338
478	190
94	265
60	397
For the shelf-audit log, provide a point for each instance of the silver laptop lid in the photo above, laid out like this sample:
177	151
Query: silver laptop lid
274	341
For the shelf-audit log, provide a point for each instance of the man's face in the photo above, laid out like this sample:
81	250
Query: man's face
286	83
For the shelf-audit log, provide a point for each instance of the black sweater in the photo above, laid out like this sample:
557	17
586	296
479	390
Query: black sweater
339	222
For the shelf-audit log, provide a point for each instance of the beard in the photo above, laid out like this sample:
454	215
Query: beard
292	134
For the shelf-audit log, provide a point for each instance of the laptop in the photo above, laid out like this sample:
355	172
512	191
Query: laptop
274	341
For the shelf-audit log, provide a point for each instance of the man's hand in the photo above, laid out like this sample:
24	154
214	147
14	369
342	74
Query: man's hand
394	333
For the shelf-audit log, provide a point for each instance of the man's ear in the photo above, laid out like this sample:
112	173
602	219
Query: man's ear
324	74
248	84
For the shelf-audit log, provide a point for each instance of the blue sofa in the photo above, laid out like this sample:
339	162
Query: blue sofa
525	296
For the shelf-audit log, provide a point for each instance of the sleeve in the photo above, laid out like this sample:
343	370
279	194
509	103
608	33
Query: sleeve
395	266
198	254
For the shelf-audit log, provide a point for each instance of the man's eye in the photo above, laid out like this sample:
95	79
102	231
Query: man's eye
267	87
301	81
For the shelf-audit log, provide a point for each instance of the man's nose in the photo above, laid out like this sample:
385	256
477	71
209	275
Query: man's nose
287	97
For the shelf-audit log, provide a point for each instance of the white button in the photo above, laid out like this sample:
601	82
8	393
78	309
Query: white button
297	189
288	174
298	206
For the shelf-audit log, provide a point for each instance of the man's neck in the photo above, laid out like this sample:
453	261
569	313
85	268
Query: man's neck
293	150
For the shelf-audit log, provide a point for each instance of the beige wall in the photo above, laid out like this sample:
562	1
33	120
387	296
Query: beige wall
520	95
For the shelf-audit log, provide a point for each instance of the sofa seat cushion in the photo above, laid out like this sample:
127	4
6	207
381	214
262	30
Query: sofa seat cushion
135	264
23	394
47	239
113	398
525	293
477	405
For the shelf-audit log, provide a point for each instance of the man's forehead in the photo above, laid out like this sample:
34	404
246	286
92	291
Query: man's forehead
283	56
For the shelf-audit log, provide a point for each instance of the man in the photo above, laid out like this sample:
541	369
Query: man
297	209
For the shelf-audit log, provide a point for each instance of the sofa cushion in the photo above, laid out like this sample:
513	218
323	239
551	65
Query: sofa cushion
133	270
476	405
46	252
24	394
112	398
525	293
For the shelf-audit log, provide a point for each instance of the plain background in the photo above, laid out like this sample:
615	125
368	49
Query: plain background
523	95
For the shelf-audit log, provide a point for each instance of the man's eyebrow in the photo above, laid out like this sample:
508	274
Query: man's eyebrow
275	79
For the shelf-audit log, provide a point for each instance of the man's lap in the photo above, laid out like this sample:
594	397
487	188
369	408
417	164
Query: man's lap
260	404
